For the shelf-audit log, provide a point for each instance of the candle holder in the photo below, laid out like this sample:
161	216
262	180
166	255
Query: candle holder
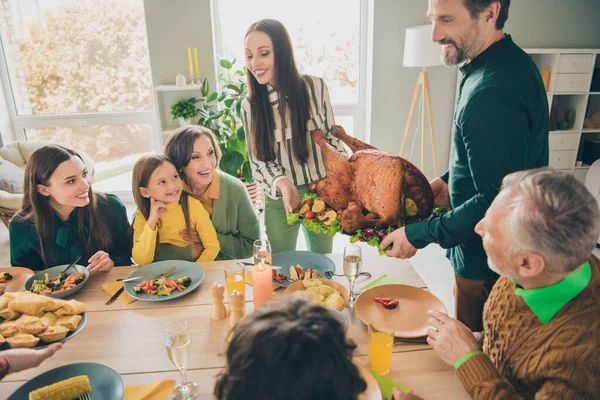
198	80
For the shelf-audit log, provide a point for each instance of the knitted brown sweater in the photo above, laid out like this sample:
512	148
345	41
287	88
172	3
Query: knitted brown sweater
525	359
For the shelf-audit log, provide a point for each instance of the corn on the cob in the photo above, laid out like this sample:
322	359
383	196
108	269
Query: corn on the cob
68	389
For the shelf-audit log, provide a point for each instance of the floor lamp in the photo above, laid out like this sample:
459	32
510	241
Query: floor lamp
421	51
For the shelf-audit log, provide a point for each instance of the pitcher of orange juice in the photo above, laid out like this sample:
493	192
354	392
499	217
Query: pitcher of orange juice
381	342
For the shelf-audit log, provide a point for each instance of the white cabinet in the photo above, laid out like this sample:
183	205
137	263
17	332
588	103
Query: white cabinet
572	83
572	97
575	63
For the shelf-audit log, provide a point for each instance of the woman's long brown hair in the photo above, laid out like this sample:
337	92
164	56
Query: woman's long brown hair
142	171
37	208
291	86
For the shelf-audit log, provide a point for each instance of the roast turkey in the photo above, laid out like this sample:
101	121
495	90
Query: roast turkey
372	187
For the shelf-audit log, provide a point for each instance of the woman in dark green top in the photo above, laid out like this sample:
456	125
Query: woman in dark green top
62	217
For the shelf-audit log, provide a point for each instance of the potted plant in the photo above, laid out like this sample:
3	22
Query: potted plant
184	110
220	111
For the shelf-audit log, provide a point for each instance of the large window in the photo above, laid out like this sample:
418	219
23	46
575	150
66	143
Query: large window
329	39
77	72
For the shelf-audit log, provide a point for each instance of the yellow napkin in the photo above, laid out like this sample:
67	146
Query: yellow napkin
151	391
111	288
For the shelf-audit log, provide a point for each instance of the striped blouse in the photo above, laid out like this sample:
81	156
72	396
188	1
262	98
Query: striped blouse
285	165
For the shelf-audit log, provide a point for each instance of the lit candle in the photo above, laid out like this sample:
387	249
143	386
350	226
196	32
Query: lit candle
190	62
261	282
196	61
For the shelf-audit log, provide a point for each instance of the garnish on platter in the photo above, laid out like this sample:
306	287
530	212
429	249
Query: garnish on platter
387	302
317	216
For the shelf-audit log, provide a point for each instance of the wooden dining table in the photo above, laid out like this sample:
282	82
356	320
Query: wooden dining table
130	338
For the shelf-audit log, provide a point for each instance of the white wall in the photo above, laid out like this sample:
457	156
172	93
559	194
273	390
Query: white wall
177	24
532	23
173	26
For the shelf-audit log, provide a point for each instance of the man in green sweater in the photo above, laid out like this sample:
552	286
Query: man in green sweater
542	331
500	125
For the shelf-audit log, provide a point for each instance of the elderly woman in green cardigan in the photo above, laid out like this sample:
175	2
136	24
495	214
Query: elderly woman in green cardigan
196	154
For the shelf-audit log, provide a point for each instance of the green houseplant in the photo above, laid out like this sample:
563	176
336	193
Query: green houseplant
184	109
220	111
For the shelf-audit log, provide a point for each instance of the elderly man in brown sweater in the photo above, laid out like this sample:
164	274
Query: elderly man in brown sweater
542	319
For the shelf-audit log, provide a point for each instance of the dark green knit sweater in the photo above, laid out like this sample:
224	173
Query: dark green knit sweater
500	126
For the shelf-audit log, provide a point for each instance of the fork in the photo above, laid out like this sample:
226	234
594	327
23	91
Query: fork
147	276
87	396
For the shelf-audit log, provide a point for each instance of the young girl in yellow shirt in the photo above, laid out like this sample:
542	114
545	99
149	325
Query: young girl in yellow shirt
164	210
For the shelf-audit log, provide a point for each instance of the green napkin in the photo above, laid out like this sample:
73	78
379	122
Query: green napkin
387	385
383	280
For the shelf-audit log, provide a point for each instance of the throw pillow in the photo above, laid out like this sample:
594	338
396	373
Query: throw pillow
11	177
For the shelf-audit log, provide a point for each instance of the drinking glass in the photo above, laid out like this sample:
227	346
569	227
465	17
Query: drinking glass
235	278
381	343
262	252
352	268
179	349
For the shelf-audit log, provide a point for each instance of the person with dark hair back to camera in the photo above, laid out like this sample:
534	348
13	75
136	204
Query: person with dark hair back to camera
500	126
294	338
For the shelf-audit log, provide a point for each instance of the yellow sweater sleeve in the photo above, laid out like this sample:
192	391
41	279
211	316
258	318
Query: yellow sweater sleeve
205	230
144	241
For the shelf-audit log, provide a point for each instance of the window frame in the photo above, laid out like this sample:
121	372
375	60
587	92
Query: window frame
360	110
20	123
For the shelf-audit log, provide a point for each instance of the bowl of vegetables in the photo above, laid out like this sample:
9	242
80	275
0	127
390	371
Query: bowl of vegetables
49	282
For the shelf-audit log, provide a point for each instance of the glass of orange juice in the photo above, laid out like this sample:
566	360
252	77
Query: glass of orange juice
234	278
381	342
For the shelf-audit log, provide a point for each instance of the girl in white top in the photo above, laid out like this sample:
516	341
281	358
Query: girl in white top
283	155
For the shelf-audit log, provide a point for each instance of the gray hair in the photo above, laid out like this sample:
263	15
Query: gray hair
553	215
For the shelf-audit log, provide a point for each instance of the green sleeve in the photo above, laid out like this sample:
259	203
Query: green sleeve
239	244
121	232
445	176
23	253
206	231
495	132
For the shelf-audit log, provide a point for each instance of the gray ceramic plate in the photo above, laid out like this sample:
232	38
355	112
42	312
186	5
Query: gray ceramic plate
182	268
340	317
307	259
106	383
69	336
53	272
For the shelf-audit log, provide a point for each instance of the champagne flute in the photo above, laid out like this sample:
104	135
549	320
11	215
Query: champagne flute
352	267
262	252
179	349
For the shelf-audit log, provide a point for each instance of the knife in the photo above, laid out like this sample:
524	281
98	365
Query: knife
114	296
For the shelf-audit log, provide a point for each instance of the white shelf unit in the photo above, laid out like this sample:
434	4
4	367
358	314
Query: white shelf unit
164	97
571	75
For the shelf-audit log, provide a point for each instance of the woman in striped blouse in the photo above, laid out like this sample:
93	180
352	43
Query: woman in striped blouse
282	108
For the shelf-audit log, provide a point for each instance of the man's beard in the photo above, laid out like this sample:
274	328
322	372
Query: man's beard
464	52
